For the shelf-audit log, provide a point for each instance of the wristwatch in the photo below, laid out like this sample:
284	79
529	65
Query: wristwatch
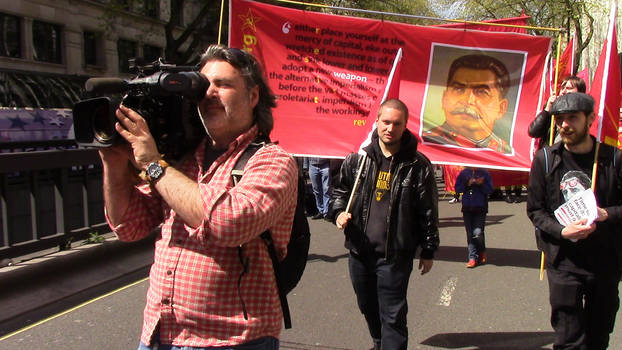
155	170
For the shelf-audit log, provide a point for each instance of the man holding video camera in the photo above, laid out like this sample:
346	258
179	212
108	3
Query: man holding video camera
212	282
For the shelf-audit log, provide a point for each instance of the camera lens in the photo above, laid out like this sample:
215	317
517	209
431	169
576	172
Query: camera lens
103	125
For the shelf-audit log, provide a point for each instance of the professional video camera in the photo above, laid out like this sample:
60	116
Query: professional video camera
165	95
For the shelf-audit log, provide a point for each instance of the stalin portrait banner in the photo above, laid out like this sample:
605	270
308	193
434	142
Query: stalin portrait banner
471	94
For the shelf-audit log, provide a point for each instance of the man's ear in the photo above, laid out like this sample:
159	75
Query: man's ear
503	107
254	95
443	100
590	119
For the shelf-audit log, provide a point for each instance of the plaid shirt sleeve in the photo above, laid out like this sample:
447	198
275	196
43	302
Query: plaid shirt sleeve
143	215
235	215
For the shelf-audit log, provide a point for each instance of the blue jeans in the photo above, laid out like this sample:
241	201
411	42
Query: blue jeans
474	223
320	181
380	289
265	343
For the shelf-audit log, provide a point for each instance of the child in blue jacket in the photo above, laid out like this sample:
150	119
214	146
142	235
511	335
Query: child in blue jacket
475	184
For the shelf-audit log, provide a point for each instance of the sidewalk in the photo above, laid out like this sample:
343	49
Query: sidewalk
40	281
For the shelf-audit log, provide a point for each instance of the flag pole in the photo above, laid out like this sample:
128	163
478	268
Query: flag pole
356	182
387	91
383	13
595	166
559	48
220	24
552	131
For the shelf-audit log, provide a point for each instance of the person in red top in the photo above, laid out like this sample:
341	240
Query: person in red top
212	282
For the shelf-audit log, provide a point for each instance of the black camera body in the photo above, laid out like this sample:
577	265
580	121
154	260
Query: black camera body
164	95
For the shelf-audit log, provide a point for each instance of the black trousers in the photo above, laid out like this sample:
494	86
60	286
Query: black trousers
583	308
380	289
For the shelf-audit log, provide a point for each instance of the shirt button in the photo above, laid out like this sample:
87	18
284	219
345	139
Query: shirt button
165	301
169	272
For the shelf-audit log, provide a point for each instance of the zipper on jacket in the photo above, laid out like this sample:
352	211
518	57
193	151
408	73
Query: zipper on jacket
393	190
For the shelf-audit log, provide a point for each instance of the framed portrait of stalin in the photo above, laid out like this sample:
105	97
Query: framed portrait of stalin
471	97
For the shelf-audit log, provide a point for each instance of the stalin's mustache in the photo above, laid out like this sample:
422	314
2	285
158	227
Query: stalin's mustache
465	110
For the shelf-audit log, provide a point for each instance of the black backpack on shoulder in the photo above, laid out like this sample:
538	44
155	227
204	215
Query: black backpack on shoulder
288	271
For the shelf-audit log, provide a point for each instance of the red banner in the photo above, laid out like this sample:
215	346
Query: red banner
585	75
606	88
499	177
566	62
329	73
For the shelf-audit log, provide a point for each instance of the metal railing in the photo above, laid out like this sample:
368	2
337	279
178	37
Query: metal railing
48	198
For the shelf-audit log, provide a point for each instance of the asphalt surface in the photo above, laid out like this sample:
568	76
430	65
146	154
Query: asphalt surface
500	305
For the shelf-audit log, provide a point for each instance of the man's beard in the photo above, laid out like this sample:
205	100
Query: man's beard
577	136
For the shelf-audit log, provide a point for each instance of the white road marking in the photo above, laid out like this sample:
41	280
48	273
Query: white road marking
448	291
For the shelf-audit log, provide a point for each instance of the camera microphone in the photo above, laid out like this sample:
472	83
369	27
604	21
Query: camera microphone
105	85
188	84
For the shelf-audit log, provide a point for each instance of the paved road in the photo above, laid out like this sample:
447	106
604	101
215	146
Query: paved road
501	305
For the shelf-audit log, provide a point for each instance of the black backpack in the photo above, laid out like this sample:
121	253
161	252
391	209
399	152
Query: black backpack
289	271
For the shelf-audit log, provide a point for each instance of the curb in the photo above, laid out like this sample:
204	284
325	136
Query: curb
41	281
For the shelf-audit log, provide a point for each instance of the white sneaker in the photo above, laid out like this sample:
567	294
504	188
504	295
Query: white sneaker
454	200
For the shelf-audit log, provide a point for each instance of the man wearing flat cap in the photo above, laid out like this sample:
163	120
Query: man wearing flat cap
583	259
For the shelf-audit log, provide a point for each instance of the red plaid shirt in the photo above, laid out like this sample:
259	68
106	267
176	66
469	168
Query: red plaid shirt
193	292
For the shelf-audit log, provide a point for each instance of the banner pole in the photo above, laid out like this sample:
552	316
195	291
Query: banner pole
559	49
595	166
356	182
419	17
552	130
220	24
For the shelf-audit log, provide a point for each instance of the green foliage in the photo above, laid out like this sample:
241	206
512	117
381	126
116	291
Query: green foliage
420	8
94	238
570	15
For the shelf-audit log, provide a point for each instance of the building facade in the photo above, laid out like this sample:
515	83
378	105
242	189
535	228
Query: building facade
61	43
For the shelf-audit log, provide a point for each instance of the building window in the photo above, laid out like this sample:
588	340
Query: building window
124	4
126	49
152	8
46	42
177	7
151	53
91	48
10	36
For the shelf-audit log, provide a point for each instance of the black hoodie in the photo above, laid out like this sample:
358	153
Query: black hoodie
413	208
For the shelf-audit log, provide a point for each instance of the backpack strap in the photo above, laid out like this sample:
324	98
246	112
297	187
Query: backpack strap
251	149
546	160
267	238
236	174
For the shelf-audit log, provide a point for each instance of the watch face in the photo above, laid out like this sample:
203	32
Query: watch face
154	170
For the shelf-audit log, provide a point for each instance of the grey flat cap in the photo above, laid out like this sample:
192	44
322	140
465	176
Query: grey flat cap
573	102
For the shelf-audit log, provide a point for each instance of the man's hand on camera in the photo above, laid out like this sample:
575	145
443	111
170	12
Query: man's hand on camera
117	154
133	127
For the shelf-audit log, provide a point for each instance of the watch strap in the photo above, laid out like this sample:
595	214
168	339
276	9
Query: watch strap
145	176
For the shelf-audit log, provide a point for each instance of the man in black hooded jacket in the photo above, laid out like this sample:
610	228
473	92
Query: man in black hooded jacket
394	211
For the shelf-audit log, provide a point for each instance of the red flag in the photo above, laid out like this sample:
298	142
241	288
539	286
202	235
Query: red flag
606	87
450	174
566	62
585	75
391	90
